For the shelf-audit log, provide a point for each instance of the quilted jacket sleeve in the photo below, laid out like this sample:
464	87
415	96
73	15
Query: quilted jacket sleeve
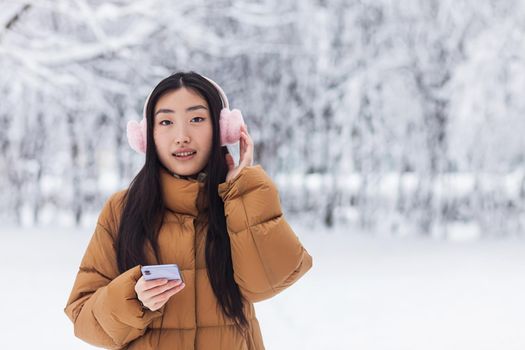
267	255
103	304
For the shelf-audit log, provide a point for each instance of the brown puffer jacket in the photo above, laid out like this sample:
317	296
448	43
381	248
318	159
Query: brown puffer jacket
267	258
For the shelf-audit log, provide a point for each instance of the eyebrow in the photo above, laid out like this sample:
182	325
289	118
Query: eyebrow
189	109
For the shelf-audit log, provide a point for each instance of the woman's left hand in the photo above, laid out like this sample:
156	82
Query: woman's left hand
245	154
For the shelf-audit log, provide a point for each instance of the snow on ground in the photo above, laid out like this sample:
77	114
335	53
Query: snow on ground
362	293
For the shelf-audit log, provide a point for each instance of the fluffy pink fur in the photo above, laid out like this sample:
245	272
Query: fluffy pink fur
137	135
230	124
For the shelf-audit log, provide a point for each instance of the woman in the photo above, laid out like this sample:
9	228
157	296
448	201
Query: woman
189	205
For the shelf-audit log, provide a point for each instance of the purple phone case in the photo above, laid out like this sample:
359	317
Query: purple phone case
168	271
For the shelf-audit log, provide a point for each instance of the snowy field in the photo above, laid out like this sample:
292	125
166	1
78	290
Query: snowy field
362	293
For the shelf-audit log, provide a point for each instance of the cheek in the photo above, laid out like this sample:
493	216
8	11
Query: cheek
159	135
160	141
209	139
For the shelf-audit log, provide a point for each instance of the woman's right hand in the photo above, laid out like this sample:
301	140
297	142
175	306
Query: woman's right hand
155	293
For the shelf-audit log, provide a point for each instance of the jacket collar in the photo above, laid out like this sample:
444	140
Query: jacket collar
180	193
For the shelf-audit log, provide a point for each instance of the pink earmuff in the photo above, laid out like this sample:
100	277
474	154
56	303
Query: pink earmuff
230	124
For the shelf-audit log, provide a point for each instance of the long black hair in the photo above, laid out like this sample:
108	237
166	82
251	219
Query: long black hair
143	205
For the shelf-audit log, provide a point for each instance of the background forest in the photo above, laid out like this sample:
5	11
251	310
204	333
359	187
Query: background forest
399	116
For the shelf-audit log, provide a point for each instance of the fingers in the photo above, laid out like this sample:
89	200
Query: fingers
245	150
246	138
154	283
158	300
242	143
151	293
246	147
143	285
168	293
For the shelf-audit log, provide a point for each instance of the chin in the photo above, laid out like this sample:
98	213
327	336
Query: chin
184	173
186	170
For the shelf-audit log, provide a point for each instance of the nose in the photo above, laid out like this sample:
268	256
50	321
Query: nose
181	136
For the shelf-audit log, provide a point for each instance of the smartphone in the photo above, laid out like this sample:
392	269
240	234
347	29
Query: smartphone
168	271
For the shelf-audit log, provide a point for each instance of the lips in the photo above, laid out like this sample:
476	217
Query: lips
180	150
184	154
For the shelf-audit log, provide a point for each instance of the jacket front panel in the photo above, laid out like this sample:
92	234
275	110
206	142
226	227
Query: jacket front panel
266	254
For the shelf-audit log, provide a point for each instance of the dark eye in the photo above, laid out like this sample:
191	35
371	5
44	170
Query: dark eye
198	117
165	121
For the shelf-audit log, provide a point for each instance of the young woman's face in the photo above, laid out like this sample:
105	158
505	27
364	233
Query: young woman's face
182	120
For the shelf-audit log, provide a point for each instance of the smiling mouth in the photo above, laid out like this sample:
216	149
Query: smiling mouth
184	155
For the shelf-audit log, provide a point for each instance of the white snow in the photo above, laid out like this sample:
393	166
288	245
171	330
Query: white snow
362	293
